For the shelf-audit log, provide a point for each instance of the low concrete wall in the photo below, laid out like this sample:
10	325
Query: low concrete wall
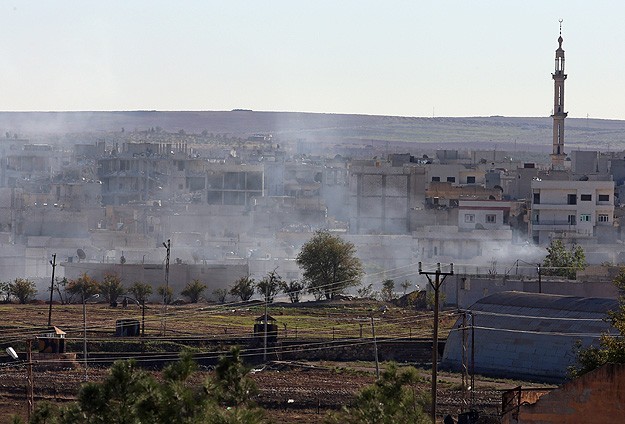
465	290
402	350
417	351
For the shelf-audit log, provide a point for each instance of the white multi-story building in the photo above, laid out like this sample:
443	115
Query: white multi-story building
572	210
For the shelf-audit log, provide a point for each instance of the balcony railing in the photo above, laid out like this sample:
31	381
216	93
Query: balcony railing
552	222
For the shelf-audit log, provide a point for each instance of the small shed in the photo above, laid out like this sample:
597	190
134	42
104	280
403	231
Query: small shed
51	342
272	328
127	328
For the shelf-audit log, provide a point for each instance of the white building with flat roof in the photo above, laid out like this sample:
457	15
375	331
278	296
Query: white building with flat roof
572	210
484	214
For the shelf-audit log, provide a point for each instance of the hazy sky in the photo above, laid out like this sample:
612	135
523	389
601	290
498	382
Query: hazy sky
409	58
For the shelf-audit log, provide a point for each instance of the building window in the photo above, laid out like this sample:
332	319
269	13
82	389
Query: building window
586	197
451	179
536	198
436	179
572	219
491	219
604	197
603	218
470	180
469	217
571	199
584	217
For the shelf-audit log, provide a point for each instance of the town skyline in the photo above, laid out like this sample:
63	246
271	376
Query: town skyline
397	60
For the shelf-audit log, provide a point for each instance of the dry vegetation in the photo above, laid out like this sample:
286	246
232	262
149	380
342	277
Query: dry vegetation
313	387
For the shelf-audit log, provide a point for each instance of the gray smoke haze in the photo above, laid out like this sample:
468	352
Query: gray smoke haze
51	204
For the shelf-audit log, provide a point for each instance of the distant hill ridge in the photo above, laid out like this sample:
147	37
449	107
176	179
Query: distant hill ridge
502	133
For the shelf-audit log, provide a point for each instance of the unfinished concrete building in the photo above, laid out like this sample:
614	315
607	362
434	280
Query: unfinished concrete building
381	196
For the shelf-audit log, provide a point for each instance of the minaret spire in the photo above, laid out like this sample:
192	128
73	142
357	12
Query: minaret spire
558	155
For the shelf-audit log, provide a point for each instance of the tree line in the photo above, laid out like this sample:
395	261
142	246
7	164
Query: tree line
329	264
131	395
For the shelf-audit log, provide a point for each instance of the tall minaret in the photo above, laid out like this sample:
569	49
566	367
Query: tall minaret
558	156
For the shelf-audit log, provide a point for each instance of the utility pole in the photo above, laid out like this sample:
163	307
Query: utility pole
436	285
168	247
143	317
53	263
266	322
375	350
472	360
540	282
84	331
30	389
465	361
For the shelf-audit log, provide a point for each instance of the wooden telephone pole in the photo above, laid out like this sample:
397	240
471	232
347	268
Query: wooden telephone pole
436	285
53	263
30	380
166	294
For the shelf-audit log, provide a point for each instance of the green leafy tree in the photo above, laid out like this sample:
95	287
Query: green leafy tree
392	399
167	293
111	288
23	290
220	295
562	262
61	285
233	391
269	286
430	299
45	413
140	291
5	291
388	290
405	285
243	288
611	348
131	395
366	292
293	289
329	264
193	290
84	287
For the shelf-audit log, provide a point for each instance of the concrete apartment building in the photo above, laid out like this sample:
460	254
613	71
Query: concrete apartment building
577	211
455	174
381	196
142	172
27	164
